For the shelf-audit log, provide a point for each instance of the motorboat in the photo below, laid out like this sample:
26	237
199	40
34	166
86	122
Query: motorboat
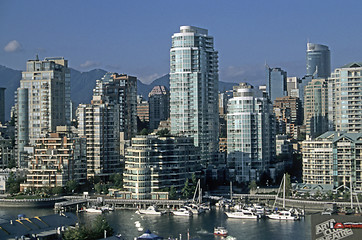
107	208
282	215
243	213
194	208
93	210
182	212
151	210
220	231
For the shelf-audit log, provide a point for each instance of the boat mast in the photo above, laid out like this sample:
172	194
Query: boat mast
231	190
350	188
284	192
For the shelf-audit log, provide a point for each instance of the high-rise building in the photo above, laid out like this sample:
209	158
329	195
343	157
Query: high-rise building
121	90
58	158
154	163
287	110
276	82
143	112
43	100
98	122
318	60
159	105
292	87
2	105
344	95
333	158
316	107
194	89
250	133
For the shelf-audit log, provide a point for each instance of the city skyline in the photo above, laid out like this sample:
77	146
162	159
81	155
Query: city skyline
123	37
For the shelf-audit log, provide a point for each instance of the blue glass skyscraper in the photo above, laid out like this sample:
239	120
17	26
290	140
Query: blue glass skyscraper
318	60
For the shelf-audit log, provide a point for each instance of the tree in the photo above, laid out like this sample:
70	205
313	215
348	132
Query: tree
117	180
90	232
144	132
13	183
172	193
252	185
186	191
72	186
163	132
57	190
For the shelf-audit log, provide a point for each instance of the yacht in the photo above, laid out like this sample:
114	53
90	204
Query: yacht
243	213
182	212
93	210
151	210
282	215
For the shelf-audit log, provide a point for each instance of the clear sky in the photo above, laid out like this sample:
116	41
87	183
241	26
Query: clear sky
134	37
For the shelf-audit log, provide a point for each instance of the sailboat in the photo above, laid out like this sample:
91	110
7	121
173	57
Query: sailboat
195	205
282	214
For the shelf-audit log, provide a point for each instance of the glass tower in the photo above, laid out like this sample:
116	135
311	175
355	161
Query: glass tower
318	60
194	88
277	83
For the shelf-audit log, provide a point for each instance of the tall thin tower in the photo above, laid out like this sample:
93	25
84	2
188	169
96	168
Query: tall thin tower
194	88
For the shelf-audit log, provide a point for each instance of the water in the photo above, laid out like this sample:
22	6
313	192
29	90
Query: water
199	227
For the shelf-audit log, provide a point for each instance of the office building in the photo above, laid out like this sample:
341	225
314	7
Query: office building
276	83
98	122
57	158
292	87
42	101
194	89
155	163
318	60
333	158
159	105
250	133
316	108
344	95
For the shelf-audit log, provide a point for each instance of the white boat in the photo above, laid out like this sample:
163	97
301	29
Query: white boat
151	210
282	215
220	231
107	208
182	212
245	214
93	210
194	208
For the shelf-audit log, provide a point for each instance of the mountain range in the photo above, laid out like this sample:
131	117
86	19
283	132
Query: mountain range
82	84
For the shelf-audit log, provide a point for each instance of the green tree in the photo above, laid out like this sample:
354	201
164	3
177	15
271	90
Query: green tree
13	183
57	190
72	186
252	185
78	233
172	194
163	132
98	188
117	180
144	132
186	190
99	225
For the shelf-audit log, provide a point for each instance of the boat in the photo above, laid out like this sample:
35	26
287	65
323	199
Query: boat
107	208
182	212
151	210
93	210
220	231
243	213
282	215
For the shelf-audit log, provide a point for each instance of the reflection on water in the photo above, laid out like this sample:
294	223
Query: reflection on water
199	227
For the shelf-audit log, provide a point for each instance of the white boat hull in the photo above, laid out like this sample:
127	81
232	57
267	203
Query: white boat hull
240	215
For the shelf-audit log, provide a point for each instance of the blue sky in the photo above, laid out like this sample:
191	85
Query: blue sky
134	37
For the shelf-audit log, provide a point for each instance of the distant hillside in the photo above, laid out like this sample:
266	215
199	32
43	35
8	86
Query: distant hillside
82	84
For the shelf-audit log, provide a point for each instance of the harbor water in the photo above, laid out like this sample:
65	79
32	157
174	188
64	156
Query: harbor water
131	225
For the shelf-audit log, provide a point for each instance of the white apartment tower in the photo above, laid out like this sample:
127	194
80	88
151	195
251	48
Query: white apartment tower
250	133
194	89
43	100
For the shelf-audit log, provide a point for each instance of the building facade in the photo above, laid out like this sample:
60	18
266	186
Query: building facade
143	112
155	163
194	89
42	101
159	105
318	60
250	133
316	107
334	158
57	158
276	82
98	122
344	94
287	111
